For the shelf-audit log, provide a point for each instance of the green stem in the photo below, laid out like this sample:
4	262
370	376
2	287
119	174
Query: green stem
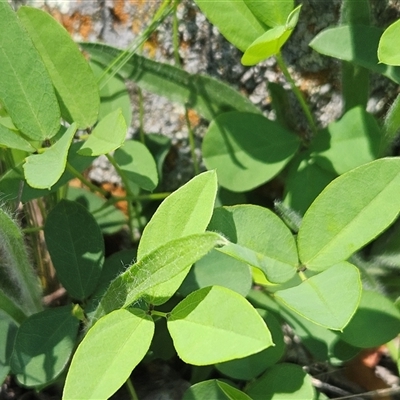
297	93
159	313
175	35
86	182
192	143
302	276
33	229
131	389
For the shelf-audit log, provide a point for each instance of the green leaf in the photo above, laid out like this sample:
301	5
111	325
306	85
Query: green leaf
271	42
26	91
347	42
217	268
305	180
282	382
234	20
274	252
43	346
20	292
208	96
43	170
107	136
76	247
250	367
10	182
76	87
215	324
109	219
352	141
247	149
315	300
113	95
159	146
137	163
118	342
271	13
154	273
215	390
350	212
13	140
185	212
8	331
388	51
266	45
376	315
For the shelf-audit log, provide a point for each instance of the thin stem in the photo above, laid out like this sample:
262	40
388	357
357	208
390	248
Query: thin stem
131	389
297	93
175	34
86	182
192	143
302	276
141	115
159	313
33	229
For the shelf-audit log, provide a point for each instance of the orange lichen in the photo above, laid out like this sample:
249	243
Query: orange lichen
76	23
119	11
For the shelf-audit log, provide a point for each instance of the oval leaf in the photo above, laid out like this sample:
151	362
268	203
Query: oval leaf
348	143
215	390
76	87
128	335
247	149
388	51
274	251
315	300
43	170
351	211
107	136
76	247
283	381
154	273
185	212
26	90
137	164
215	324
347	43
271	13
8	331
216	268
43	345
376	315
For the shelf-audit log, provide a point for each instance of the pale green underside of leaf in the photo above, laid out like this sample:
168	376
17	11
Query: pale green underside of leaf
271	13
347	43
316	300
388	50
208	96
117	343
186	211
350	212
156	270
246	149
76	86
215	324
107	136
26	90
43	170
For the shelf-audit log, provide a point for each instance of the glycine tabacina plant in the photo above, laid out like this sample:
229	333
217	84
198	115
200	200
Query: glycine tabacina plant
212	279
